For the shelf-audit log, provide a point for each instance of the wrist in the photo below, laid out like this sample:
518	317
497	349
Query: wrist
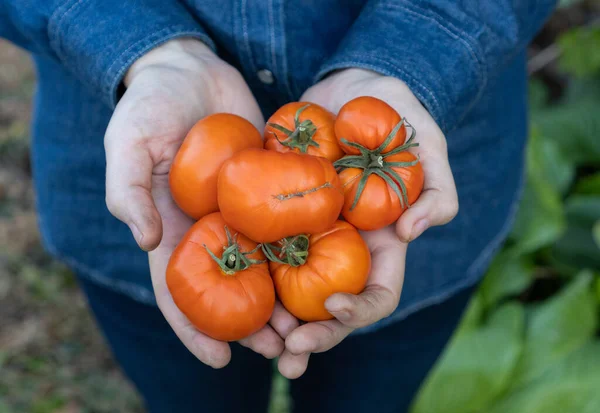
180	53
352	74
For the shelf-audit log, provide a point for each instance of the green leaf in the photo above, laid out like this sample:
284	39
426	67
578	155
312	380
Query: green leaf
582	90
575	127
547	162
538	94
556	328
580	49
476	367
569	386
473	315
540	220
509	274
577	249
588	185
596	233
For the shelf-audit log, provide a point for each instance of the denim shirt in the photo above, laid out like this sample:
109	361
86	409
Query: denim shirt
464	59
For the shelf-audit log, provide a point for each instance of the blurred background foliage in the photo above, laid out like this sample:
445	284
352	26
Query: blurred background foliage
528	343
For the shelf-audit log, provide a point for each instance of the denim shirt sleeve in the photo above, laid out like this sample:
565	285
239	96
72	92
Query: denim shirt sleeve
445	50
96	40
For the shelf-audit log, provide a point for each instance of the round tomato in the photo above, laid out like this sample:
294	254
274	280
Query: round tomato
367	121
220	280
303	128
269	195
193	174
379	205
307	270
381	178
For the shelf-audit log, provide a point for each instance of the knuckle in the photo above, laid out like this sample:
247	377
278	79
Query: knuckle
112	203
443	143
388	302
451	209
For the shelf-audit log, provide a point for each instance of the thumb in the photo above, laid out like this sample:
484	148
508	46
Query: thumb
438	203
128	187
373	304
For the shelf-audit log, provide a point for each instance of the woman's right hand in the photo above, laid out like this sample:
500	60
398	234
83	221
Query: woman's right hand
168	90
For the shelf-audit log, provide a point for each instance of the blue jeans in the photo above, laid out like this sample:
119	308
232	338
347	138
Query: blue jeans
380	370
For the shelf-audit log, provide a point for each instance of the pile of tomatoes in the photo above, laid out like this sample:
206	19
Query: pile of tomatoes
281	218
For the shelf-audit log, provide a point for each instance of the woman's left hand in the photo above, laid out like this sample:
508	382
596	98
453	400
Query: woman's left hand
437	205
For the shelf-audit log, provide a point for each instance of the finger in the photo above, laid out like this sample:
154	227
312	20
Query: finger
211	352
438	203
216	354
266	342
292	366
316	337
282	321
382	293
129	184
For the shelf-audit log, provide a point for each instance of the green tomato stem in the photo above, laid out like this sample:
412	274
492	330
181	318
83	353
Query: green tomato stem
374	162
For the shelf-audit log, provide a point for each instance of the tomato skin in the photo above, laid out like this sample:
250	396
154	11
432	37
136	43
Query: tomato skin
224	307
372	176
379	206
325	134
194	172
368	121
269	195
338	261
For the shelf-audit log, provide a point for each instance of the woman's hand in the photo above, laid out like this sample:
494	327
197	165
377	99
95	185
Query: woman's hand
437	205
168	90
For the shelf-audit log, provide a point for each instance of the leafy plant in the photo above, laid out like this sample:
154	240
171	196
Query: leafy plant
581	51
528	342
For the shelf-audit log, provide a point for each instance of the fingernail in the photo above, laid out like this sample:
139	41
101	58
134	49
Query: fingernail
419	228
343	315
137	234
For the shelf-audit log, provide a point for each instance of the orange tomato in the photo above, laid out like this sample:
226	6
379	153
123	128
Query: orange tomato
220	281
312	268
269	195
211	141
379	205
303	127
381	178
367	121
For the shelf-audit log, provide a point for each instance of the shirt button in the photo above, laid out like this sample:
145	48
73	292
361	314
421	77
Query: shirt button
266	76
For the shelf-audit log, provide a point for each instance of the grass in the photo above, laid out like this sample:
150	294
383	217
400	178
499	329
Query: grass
52	357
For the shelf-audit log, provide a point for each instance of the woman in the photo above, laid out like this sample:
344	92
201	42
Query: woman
140	73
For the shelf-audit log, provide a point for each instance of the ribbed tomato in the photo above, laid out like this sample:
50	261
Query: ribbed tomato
303	127
366	121
379	205
307	270
381	177
211	141
269	195
220	280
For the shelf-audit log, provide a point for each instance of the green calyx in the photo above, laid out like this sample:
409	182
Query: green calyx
302	135
291	251
374	162
233	260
